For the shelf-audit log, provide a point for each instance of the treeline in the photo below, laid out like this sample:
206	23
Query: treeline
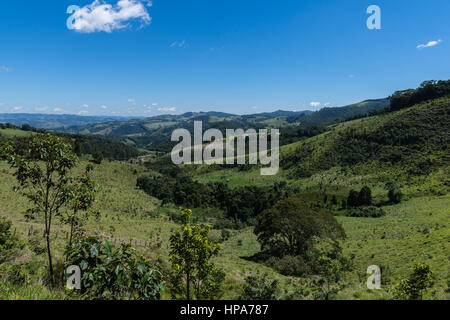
428	90
328	116
291	135
369	114
24	127
241	204
111	148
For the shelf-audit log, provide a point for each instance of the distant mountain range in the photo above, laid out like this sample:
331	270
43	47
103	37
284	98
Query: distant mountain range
154	133
53	121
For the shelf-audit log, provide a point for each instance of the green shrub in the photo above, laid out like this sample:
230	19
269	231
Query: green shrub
395	196
329	262
413	287
58	280
290	265
352	199
257	287
97	157
224	223
193	275
37	245
365	196
225	234
110	273
21	273
16	274
8	243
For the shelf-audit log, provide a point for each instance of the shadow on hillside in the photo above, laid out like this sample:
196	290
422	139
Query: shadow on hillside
259	257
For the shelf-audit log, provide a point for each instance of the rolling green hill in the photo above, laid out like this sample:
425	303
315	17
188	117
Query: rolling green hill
327	116
415	138
154	133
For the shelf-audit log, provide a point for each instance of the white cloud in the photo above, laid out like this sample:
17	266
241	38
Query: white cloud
181	44
41	109
132	100
315	104
154	104
104	107
166	109
326	104
101	16
58	110
429	44
85	106
82	112
18	108
5	69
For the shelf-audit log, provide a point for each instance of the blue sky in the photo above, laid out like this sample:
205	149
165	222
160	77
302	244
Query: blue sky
238	56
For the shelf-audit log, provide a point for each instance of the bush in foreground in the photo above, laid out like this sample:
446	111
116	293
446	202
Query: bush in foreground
8	242
259	287
415	285
110	273
193	275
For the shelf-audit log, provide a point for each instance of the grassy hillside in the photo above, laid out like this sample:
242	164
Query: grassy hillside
327	116
416	229
415	139
14	133
127	215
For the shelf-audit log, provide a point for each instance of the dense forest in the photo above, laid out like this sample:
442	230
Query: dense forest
240	205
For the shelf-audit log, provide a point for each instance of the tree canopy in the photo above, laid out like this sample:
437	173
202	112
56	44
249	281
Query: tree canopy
290	226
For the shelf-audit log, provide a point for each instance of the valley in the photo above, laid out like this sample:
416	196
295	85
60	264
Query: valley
407	147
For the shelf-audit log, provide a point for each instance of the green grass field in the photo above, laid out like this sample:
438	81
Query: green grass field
10	133
416	229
